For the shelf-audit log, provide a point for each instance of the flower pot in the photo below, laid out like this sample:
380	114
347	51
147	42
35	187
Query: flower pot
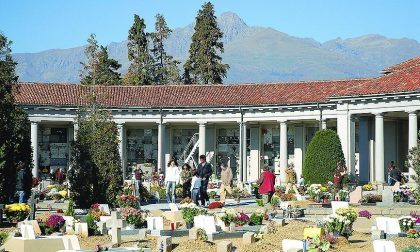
130	227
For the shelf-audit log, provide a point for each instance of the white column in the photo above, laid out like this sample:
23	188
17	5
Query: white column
121	145
161	142
412	136
379	149
34	143
324	124
75	130
241	160
299	149
202	139
244	165
346	133
283	151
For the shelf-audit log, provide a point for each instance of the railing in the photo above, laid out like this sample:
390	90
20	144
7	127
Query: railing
191	143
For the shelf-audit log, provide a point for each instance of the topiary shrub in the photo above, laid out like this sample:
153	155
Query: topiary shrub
322	155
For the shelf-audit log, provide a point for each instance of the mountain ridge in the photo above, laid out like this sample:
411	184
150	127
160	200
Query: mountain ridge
255	55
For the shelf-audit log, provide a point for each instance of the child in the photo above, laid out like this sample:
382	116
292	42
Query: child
195	186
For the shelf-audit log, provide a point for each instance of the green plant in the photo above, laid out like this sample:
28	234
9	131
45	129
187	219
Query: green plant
413	233
260	202
274	201
70	209
212	194
3	237
201	235
230	216
411	248
318	243
190	210
256	219
322	155
92	229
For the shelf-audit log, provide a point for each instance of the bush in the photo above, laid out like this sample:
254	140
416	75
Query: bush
3	237
322	155
411	249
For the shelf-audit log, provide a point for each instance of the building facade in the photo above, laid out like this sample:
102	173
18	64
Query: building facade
244	125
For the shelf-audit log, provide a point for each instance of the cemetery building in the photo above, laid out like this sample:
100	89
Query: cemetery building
243	125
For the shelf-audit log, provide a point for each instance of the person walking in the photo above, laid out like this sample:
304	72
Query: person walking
171	179
226	176
204	170
291	179
186	180
266	182
390	167
195	186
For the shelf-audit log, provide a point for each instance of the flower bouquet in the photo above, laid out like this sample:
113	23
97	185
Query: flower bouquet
17	212
55	222
229	216
257	217
341	223
314	192
242	219
127	201
237	193
407	223
365	213
133	216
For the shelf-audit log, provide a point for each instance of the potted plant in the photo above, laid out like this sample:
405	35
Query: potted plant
229	216
212	196
256	218
16	212
237	193
134	217
127	201
317	244
341	223
55	223
242	219
189	211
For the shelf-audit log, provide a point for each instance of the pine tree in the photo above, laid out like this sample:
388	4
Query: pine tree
15	144
165	68
141	63
99	68
96	174
204	63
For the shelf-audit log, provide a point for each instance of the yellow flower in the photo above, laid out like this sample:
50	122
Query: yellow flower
63	193
323	189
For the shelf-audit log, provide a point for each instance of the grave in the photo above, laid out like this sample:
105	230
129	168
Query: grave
338	204
356	195
224	246
155	225
384	246
104	208
28	242
71	242
387	198
35	225
117	224
248	238
291	245
193	233
205	222
81	229
390	226
377	234
164	243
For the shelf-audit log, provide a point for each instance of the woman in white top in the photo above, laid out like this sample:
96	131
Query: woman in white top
171	179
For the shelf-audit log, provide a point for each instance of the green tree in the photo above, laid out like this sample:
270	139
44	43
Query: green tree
204	63
141	62
15	144
99	68
165	69
96	173
414	163
322	155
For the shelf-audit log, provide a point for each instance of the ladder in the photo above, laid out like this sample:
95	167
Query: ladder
193	145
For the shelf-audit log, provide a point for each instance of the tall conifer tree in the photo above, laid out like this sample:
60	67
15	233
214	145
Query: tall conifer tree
165	67
141	63
99	68
15	144
205	64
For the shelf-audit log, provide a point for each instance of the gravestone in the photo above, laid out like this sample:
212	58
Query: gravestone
155	225
384	246
381	223
356	195
35	225
71	242
205	222
81	229
173	207
396	186
117	224
248	238
164	243
392	227
224	246
387	198
193	233
101	226
69	220
27	231
142	233
338	204
32	202
291	245
377	234
104	208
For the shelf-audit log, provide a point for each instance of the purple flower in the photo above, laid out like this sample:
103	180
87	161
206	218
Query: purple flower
365	213
418	220
55	221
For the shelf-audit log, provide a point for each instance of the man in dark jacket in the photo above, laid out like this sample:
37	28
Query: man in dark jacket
20	178
204	170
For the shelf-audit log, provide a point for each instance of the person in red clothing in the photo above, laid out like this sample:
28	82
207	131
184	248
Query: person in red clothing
266	182
337	179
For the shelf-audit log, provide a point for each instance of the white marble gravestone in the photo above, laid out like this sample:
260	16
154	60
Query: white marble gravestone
205	222
291	245
105	208
27	231
71	242
384	246
155	225
338	204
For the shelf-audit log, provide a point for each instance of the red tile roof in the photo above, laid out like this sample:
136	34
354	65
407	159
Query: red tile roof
406	79
403	65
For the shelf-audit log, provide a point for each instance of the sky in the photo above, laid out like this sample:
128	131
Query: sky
37	25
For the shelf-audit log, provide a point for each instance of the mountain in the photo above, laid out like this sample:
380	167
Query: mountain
255	54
